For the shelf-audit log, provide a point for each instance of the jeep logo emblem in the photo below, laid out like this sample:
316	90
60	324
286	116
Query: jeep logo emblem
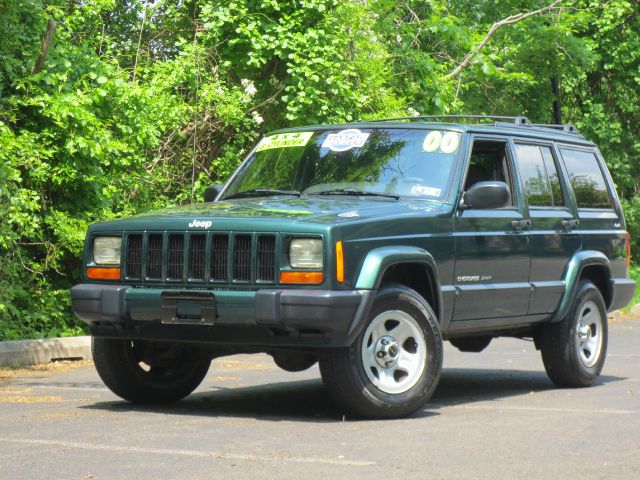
200	224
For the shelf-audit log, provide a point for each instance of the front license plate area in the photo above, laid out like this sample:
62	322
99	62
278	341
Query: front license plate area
188	308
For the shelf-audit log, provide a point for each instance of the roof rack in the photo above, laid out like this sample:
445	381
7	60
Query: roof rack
567	127
519	120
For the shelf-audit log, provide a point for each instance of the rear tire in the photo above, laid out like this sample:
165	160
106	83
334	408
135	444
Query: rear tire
148	372
393	366
574	349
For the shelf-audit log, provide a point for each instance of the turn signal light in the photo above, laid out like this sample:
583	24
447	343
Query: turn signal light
301	277
339	262
101	273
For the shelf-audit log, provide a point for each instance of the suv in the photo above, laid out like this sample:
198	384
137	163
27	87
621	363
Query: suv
364	246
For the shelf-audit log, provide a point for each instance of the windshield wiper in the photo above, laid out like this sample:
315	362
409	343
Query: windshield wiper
262	192
355	192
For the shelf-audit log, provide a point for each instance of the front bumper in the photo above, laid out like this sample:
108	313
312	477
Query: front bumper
269	317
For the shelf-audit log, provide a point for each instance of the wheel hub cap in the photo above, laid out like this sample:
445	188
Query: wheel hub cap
584	333
588	336
394	351
387	352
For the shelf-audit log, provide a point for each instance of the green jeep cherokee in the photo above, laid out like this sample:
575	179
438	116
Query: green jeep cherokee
363	247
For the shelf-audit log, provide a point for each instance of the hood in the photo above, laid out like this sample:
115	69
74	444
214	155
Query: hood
324	211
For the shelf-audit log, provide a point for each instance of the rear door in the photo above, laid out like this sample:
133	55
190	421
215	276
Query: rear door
492	246
554	222
601	225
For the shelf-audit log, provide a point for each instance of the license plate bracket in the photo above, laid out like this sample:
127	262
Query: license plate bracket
188	308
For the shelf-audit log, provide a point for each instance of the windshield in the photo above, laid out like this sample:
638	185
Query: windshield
405	162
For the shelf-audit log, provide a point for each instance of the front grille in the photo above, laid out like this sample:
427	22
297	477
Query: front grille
219	257
197	264
133	265
242	258
175	257
154	257
207	257
266	268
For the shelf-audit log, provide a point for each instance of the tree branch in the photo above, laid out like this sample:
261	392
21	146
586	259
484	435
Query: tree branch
144	17
271	99
44	48
505	21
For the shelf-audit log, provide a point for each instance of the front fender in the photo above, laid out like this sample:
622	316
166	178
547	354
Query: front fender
572	272
380	259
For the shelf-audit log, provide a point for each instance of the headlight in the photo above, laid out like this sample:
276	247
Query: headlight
306	253
106	250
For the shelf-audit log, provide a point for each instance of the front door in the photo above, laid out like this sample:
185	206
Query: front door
492	246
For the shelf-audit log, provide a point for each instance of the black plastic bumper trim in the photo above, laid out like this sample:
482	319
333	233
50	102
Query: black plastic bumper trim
333	313
623	290
99	303
305	317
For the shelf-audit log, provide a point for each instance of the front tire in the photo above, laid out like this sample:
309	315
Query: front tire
574	349
393	366
148	372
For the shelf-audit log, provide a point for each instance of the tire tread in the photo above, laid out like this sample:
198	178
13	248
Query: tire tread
110	360
562	366
351	396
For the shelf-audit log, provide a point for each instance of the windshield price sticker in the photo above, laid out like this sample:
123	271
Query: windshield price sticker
285	140
436	141
345	140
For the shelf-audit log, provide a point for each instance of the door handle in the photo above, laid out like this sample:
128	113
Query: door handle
521	224
569	224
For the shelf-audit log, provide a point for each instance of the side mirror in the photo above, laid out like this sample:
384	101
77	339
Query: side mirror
484	195
210	193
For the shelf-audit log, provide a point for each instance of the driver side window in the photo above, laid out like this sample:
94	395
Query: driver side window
489	162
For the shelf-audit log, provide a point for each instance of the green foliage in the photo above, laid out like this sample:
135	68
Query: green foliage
634	273
144	104
632	216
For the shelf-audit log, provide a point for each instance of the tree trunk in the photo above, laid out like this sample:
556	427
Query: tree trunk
557	106
44	48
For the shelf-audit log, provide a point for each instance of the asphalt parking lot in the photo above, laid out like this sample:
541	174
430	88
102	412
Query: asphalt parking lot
495	415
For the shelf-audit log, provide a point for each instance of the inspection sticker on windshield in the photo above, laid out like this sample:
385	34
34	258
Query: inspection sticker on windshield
422	190
284	140
345	140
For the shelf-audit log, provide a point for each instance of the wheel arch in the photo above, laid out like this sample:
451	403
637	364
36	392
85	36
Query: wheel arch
410	266
587	264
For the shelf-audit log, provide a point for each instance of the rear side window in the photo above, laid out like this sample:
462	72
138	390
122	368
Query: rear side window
586	178
539	175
